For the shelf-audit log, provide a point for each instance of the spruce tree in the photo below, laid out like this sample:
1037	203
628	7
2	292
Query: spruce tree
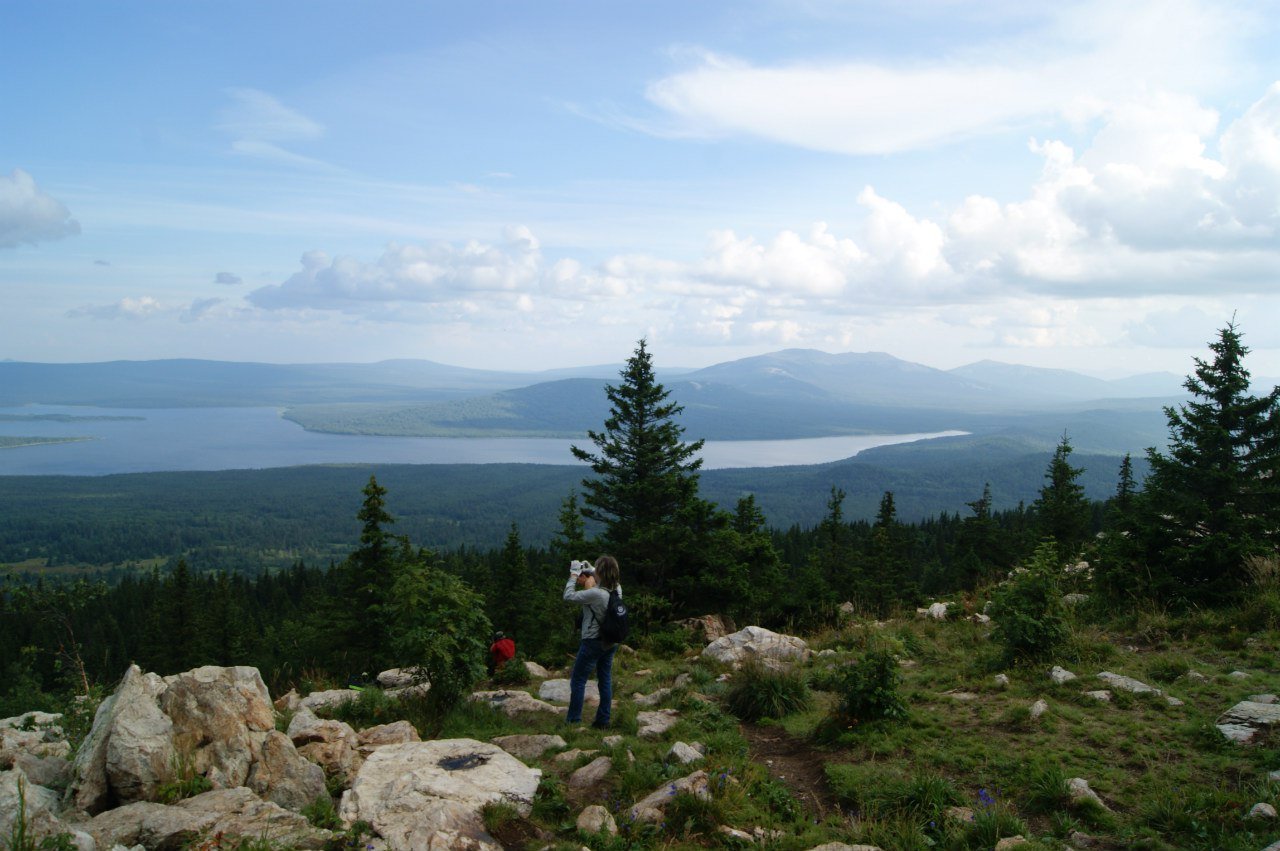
1214	498
1062	512
646	485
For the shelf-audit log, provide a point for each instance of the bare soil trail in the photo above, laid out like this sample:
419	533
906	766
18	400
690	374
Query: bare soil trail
794	763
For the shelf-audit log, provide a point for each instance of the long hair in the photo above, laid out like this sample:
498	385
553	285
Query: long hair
607	574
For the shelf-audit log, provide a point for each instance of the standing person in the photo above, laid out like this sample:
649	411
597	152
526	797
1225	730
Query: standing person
589	587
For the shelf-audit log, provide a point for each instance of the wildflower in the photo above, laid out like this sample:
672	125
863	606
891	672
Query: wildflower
985	798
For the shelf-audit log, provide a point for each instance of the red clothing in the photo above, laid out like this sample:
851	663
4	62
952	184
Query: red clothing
502	651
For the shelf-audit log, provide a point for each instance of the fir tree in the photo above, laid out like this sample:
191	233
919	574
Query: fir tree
1214	498
1062	512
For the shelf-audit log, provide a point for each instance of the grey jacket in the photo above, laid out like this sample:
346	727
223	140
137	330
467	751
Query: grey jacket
594	601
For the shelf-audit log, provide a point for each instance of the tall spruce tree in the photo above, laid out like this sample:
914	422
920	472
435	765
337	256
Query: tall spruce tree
1062	512
1214	498
646	485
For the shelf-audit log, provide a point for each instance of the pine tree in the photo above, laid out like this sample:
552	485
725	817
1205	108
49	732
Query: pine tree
1062	512
1214	498
885	573
981	548
358	612
646	483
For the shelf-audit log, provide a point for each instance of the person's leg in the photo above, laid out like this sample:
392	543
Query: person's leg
583	665
604	677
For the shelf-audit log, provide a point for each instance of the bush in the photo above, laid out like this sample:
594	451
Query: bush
757	691
868	691
513	673
1028	610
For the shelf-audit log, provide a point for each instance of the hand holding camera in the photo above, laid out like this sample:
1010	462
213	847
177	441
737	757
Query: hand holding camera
577	568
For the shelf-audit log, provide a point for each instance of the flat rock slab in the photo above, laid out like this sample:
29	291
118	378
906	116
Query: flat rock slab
329	698
1242	722
531	746
428	795
1129	684
558	691
654	724
513	702
651	807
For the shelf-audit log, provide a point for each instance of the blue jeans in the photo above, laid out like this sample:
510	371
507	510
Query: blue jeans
592	656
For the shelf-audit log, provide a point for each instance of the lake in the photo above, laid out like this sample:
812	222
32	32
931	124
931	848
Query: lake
254	438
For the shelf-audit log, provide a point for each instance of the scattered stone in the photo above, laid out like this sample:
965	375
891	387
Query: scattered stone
651	807
1238	675
430	794
652	699
536	670
1196	677
1128	684
980	618
1241	722
654	724
734	833
332	745
754	642
1077	568
395	733
573	755
401	677
233	813
1079	790
288	702
1010	842
1061	675
1102	695
1274	776
48	771
683	754
643	672
612	741
1262	810
32	721
1262	698
1074	599
512	702
1001	680
907	663
557	691
842	846
682	680
39	810
827	652
708	627
936	611
595	819
529	747
592	774
1081	840
962	814
1038	708
329	698
1173	701
963	696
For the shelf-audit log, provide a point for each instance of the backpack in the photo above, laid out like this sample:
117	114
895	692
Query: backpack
614	627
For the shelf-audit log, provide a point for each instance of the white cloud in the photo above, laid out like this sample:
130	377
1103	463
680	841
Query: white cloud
1084	55
228	278
148	307
29	215
260	126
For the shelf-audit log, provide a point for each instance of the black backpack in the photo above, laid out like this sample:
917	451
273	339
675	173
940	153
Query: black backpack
614	627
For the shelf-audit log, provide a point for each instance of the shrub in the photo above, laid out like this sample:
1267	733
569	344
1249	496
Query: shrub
868	691
513	673
757	691
1028	610
184	782
321	813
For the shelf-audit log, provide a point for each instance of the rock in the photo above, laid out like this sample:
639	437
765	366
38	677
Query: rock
1060	675
1081	840
1010	842
1238	675
1038	708
1128	684
734	833
283	776
329	698
708	627
682	680
573	755
288	702
962	696
651	807
1173	701
1074	599
1196	677
1078	789
827	653
215	712
841	846
395	733
1273	776
595	819
960	814
1001	680
683	754
536	670
34	720
395	678
592	774
1102	695
612	741
332	745
1241	722
1262	810
652	699
980	618
756	643
557	691
48	771
936	611
1261	698
528	746
512	702
233	813
653	725
39	809
428	795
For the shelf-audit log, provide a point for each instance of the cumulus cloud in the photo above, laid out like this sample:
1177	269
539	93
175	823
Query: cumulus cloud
227	278
1084	55
29	215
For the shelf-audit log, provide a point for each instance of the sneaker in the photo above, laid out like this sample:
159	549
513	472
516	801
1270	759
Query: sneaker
600	726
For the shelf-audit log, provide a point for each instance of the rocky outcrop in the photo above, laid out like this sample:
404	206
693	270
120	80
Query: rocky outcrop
708	627
39	808
332	745
757	643
1242	722
428	795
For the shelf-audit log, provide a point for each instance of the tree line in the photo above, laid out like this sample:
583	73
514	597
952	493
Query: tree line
1186	535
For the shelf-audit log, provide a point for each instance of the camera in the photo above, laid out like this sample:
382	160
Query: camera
580	567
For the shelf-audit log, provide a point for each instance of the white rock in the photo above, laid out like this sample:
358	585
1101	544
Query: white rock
592	774
1238	675
612	741
653	725
683	754
1241	722
395	733
1061	675
529	746
1262	810
651	807
1262	698
980	618
1274	776
652	699
596	818
513	702
755	642
1196	677
428	795
1038	708
1129	684
573	754
1074	599
1010	842
39	810
34	720
1102	695
401	677
1001	680
557	691
937	611
827	652
1173	701
1079	790
536	670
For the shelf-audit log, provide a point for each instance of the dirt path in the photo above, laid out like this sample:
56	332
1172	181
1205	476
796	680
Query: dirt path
794	763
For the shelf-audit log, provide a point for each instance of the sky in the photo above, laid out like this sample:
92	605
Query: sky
518	185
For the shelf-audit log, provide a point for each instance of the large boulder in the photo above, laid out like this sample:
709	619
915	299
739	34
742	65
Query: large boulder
38	807
1242	722
215	714
395	733
428	795
754	642
333	745
557	691
281	775
709	627
233	813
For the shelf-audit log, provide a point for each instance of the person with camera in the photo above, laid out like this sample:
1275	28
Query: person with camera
589	586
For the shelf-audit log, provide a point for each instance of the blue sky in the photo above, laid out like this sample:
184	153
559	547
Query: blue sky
533	185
